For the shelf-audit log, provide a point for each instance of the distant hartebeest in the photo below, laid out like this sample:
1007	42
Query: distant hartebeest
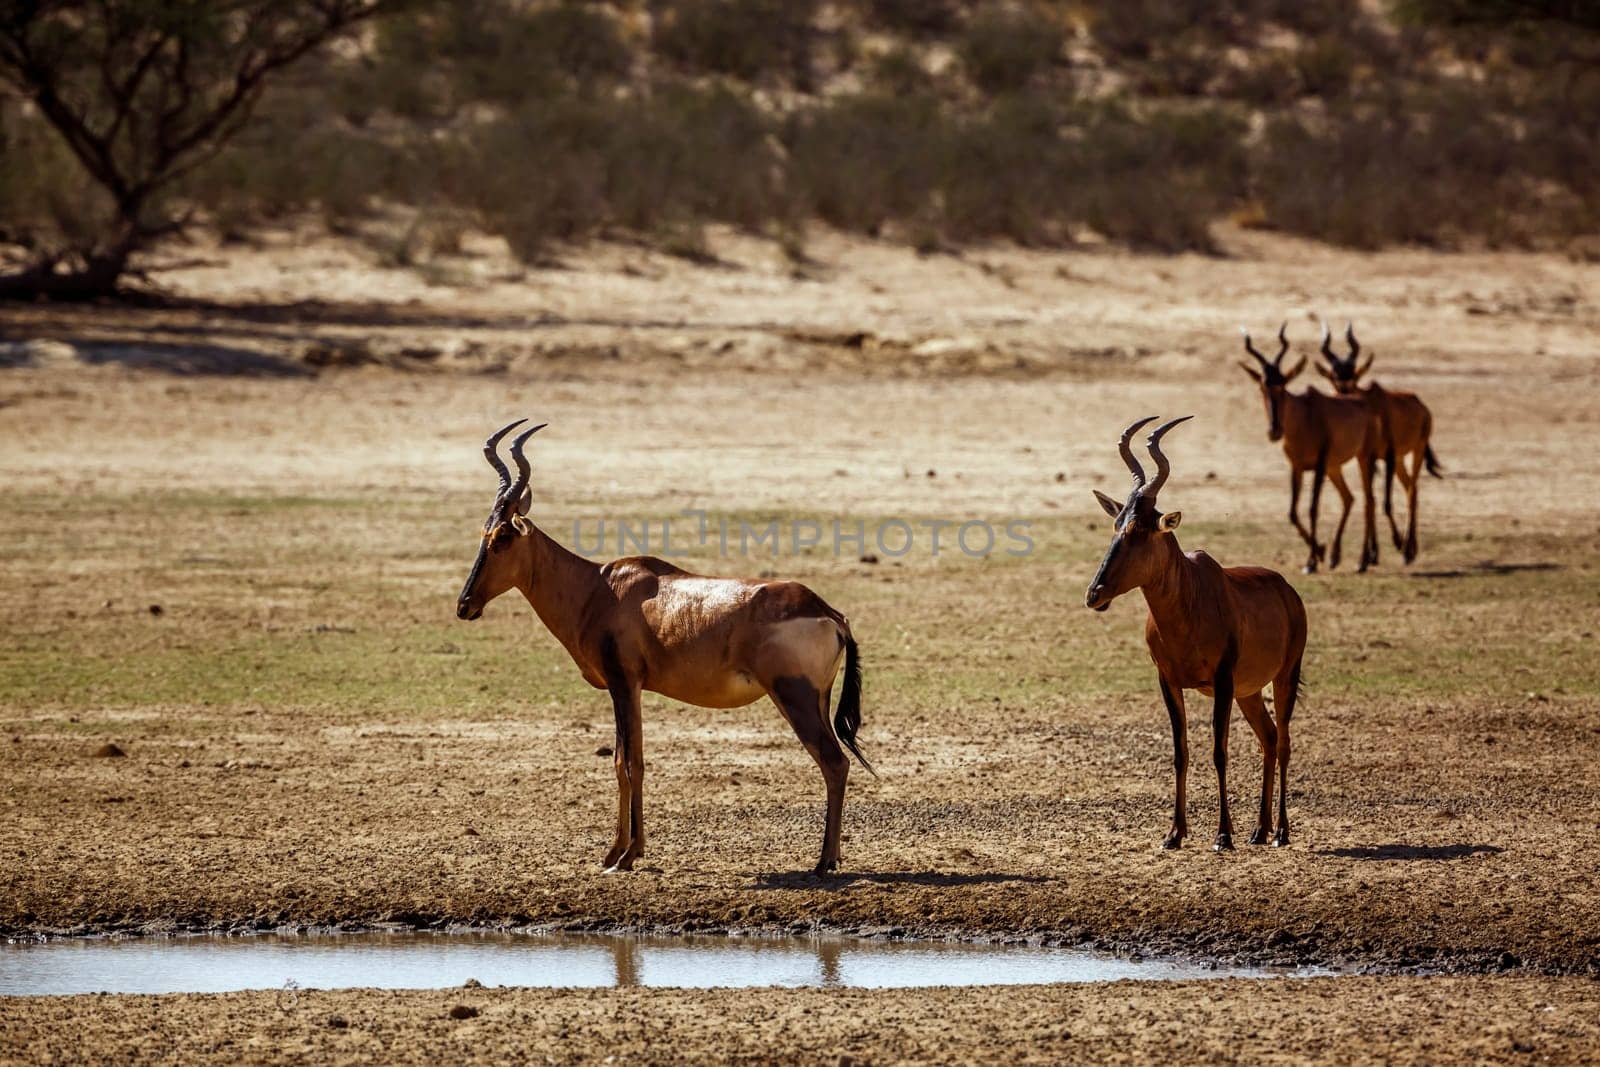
1226	631
1320	434
1406	425
641	623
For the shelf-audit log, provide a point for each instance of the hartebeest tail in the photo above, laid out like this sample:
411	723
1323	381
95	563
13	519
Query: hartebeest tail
1406	426
1226	631
847	720
641	623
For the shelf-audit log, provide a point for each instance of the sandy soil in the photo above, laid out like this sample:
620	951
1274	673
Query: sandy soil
312	739
1349	1019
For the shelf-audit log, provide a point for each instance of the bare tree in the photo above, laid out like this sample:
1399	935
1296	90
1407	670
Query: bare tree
142	92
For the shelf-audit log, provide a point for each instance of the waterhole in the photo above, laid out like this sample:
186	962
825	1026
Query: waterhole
219	964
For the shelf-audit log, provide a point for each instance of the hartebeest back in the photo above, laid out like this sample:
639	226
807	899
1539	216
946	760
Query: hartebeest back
1406	426
641	623
1320	434
1226	631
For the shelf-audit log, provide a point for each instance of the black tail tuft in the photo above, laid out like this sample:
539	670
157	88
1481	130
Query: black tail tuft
847	720
1432	462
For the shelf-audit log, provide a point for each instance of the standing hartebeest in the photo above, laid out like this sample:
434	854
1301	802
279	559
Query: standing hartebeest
1406	425
1226	631
1320	434
641	623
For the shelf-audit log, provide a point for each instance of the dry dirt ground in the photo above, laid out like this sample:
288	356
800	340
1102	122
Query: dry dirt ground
235	528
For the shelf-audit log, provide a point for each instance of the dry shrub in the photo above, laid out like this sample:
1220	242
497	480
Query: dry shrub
1431	170
570	168
755	40
1004	48
863	161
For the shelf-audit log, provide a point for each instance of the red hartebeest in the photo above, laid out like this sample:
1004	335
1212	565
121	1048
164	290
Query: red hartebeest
1406	425
1226	631
1320	434
641	623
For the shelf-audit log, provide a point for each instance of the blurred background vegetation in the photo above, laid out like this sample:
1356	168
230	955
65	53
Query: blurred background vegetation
1450	123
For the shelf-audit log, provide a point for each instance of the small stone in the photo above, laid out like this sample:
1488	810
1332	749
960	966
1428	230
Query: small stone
1061	476
109	750
157	609
603	750
868	558
472	983
470	832
463	1011
338	1022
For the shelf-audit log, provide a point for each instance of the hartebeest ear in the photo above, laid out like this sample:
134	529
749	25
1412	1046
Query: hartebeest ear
1248	369
1289	375
1170	520
526	502
1326	373
1365	366
1111	507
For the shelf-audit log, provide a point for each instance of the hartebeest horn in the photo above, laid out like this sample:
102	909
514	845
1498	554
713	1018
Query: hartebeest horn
491	454
1163	468
1250	347
514	494
1350	339
1127	453
1283	343
1327	345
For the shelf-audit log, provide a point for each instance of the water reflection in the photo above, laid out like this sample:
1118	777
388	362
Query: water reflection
209	964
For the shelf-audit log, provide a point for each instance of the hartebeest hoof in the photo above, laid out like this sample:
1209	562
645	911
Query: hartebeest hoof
1259	837
1224	843
825	867
1282	837
1172	840
1411	551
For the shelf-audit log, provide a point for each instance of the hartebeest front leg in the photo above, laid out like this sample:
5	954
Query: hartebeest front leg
1318	474
1295	476
1222	707
1255	713
1172	696
1346	498
628	759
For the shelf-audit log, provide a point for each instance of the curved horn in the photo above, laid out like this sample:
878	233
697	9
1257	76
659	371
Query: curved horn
1283	342
514	494
1163	468
1327	345
1127	453
1350	338
490	453
1251	348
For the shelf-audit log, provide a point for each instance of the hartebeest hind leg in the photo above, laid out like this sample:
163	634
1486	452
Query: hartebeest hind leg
1411	481
1255	713
1221	711
1172	696
628	759
1285	691
806	708
1369	539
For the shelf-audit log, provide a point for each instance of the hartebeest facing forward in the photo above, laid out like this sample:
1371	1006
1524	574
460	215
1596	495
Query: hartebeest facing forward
1226	631
641	623
1319	434
1406	426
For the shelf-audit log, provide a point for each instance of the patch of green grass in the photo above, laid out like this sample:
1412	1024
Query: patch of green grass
346	606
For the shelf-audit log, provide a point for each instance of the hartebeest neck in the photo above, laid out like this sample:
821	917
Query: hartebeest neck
1170	594
559	585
